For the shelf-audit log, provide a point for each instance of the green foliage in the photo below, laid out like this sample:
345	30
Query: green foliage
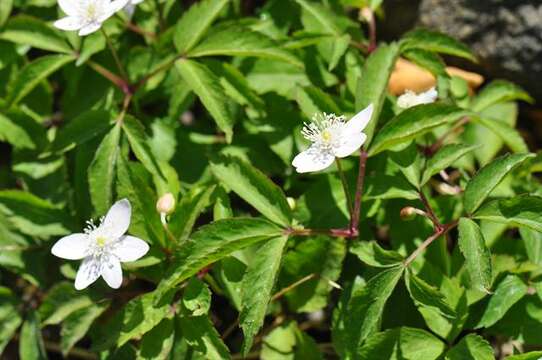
200	104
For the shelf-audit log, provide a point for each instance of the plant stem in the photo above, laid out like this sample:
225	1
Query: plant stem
346	233
283	291
438	233
354	221
345	187
115	55
115	79
156	71
133	27
440	141
429	211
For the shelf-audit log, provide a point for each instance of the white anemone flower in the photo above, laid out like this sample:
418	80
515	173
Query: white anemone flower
332	137
87	16
103	247
410	98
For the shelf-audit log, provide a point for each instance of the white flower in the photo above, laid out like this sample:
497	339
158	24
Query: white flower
410	98
103	247
87	16
331	137
130	7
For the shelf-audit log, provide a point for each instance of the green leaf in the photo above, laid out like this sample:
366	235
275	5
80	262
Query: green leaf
31	343
508	292
203	337
471	347
32	215
253	187
410	162
373	84
436	42
488	177
533	244
211	243
499	91
101	172
361	315
82	129
5	11
27	30
16	133
77	324
196	298
372	254
288	342
414	122
444	158
9	316
427	60
313	100
33	73
195	22
257	288
235	40
476	253
158	343
401	343
61	301
135	132
128	323
207	86
323	16
510	136
521	211
425	295
189	209
533	355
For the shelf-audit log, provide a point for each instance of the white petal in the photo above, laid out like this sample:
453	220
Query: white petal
360	120
117	5
70	7
117	220
69	23
312	159
130	248
112	272
89	28
429	96
351	143
71	247
88	273
135	2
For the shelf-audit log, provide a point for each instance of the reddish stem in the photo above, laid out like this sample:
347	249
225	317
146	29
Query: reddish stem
354	220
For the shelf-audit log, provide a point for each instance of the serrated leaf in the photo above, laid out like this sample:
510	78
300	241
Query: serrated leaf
235	40
499	91
31	343
207	86
257	288
158	343
476	253
533	355
426	295
77	324
322	15
444	158
372	254
471	347
373	84
196	298
509	291
520	211
211	243
287	341
414	122
401	343
9	316
27	30
32	215
189	208
33	73
509	135
410	163
427	60
203	337
488	177
82	129
253	187
61	301
195	22
101	172
436	42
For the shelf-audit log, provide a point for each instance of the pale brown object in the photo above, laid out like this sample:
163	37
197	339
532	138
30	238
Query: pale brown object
409	76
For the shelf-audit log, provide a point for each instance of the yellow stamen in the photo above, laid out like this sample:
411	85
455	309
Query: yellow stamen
326	136
101	241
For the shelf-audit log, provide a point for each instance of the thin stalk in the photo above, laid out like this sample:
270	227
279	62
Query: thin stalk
440	141
443	230
155	72
346	233
285	290
136	29
345	187
115	55
354	222
430	212
115	79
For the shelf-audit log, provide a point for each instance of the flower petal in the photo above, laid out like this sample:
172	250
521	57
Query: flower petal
90	28
88	273
312	159
117	5
70	7
130	248
117	220
112	273
71	247
68	23
359	121
351	143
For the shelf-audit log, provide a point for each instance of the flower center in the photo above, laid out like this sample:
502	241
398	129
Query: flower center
101	241
326	136
91	11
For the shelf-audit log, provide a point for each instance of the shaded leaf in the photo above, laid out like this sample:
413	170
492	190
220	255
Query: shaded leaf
521	211
27	30
471	347
426	295
373	255
498	91
188	210
444	158
436	42
31	343
476	253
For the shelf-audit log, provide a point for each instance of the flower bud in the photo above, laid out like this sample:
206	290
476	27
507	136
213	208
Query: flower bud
291	202
408	213
165	204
